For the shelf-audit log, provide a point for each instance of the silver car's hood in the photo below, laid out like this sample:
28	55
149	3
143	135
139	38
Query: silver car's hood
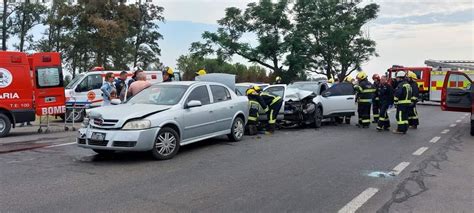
126	111
293	94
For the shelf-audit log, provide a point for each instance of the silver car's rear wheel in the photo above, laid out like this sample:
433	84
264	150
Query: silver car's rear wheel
238	130
166	144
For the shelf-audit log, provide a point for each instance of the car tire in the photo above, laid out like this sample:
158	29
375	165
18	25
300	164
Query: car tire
237	130
5	125
103	152
472	127
167	144
318	117
347	120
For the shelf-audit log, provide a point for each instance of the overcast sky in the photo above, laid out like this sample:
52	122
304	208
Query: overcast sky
407	32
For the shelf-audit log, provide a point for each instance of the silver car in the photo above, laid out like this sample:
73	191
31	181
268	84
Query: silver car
164	117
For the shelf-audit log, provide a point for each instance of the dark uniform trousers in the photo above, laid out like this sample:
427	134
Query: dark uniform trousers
402	117
376	109
363	109
384	120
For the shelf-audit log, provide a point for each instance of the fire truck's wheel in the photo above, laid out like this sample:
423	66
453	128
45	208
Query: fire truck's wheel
5	125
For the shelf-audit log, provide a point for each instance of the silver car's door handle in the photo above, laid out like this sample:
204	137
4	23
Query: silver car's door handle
350	98
210	111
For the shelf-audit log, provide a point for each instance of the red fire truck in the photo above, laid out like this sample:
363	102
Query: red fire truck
430	80
30	85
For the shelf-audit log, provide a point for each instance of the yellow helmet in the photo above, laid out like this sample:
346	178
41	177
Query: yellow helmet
361	75
169	71
348	79
201	72
331	81
256	88
412	75
278	78
251	91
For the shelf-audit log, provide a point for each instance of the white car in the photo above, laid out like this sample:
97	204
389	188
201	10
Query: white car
164	117
310	102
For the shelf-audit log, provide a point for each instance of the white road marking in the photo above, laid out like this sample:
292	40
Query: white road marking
62	144
458	121
400	167
420	151
445	131
435	139
452	125
358	201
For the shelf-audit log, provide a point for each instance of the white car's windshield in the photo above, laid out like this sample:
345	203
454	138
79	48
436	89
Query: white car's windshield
74	81
160	95
305	86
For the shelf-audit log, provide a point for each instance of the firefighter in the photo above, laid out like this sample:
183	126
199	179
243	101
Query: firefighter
278	80
364	95
376	99
412	113
272	105
402	98
255	101
201	72
385	95
168	75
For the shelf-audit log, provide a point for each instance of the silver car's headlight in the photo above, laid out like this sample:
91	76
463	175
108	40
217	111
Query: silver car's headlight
137	124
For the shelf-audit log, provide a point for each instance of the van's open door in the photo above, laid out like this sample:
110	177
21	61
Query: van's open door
48	77
457	92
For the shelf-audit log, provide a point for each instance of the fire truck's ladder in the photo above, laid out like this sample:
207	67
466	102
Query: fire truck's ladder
451	64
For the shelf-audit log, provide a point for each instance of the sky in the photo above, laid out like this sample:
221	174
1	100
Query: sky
407	32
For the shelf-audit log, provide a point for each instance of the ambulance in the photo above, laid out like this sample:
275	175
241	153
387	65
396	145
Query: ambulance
430	81
30	85
83	92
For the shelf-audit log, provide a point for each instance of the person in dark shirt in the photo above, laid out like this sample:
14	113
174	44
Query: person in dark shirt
385	95
121	83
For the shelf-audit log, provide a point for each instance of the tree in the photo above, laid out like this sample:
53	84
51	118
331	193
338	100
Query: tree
146	48
26	16
7	10
269	22
331	31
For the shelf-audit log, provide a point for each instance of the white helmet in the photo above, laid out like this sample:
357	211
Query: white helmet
401	74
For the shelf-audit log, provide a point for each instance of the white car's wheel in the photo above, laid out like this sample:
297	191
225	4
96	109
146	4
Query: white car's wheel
318	117
237	130
167	144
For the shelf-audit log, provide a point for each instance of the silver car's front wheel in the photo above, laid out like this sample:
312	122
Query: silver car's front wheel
238	130
166	144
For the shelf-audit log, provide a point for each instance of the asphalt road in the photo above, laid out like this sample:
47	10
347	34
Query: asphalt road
297	170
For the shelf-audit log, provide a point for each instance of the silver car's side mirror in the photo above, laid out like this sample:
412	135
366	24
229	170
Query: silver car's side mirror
115	101
326	94
193	103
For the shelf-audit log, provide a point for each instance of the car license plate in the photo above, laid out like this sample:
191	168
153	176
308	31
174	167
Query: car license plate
98	136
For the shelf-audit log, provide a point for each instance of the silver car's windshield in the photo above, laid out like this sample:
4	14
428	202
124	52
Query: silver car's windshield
74	81
161	94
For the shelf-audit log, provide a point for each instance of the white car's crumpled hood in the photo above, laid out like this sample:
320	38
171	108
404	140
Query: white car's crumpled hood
293	94
126	111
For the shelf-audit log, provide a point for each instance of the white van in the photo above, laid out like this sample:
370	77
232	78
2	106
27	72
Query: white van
84	90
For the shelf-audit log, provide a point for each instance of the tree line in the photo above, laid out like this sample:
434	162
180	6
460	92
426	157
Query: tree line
88	33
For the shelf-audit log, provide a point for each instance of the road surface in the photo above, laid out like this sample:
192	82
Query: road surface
334	169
